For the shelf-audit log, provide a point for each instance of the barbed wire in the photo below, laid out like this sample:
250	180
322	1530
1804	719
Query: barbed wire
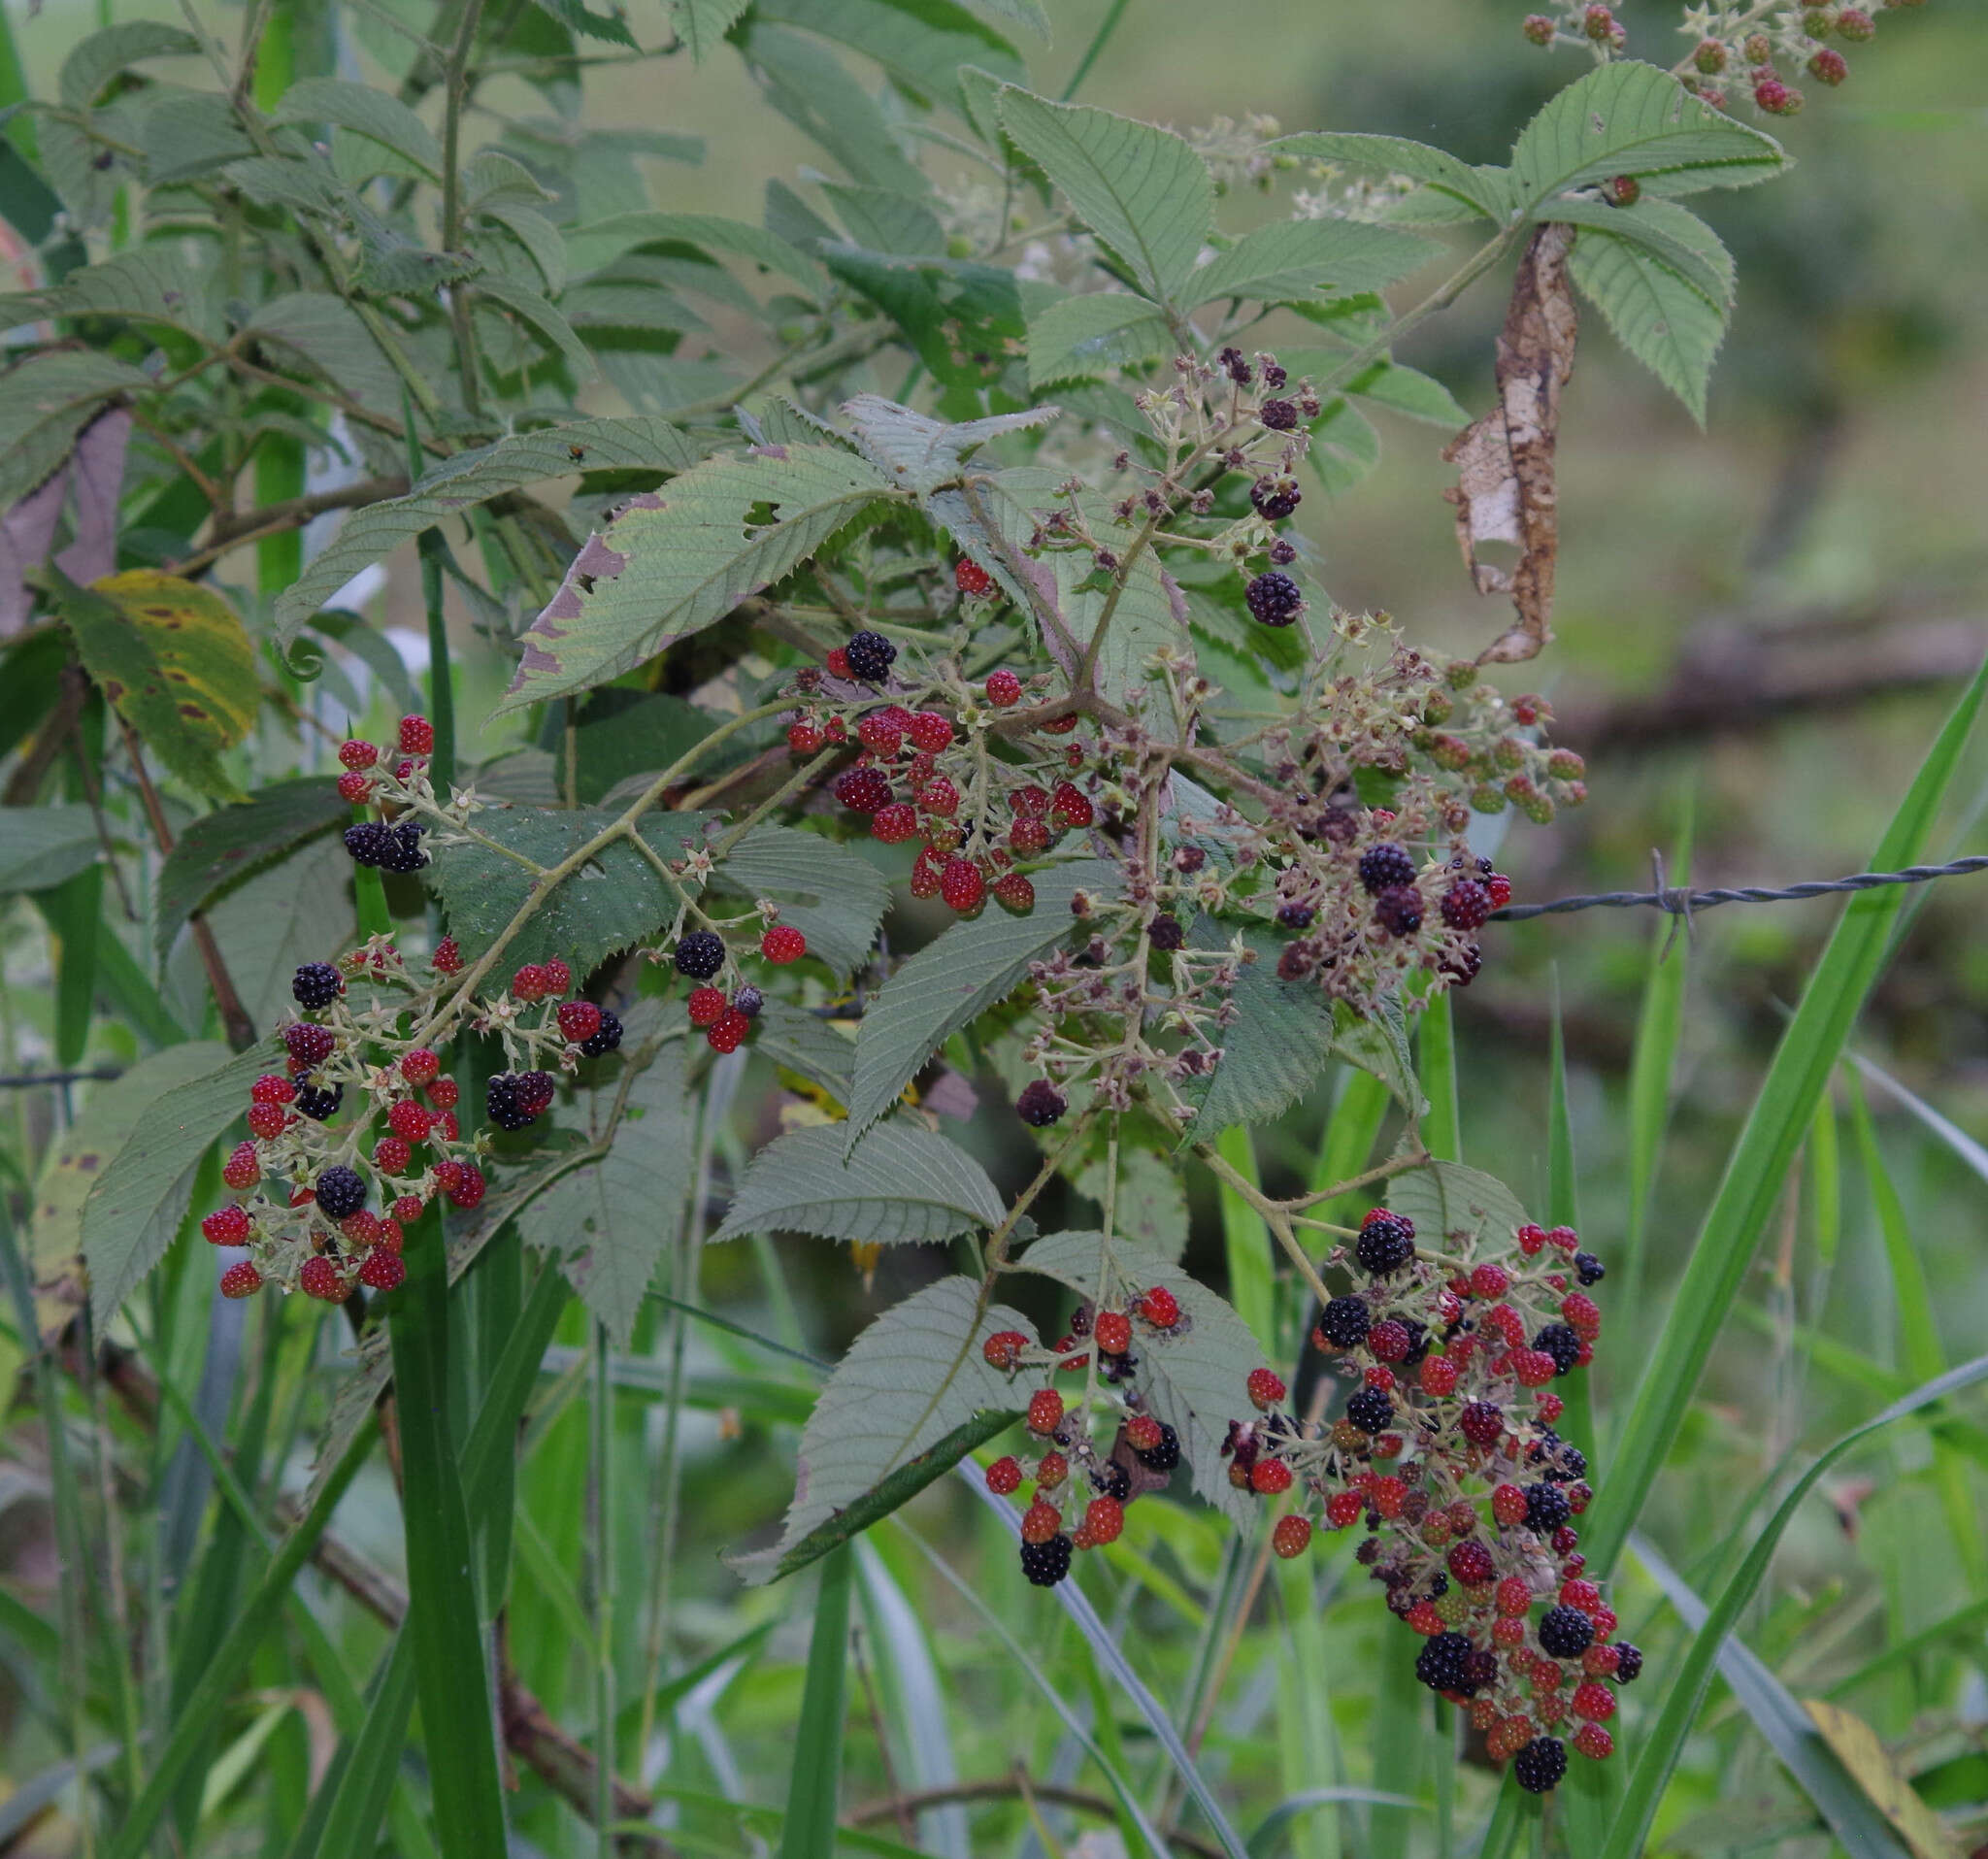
1680	901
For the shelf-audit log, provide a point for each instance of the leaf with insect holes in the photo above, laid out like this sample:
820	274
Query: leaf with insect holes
902	1406
1142	191
1664	321
612	903
640	442
1629	119
175	662
1449	1202
609	1222
224	846
1296	260
1194	1380
954	979
673	561
900	1186
832	895
142	1197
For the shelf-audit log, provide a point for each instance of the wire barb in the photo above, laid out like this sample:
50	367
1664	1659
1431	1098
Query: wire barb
1681	902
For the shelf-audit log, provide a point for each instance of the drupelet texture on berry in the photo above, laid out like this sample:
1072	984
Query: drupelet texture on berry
341	1191
605	1039
317	1104
1444	1663
1384	868
1046	1563
1566	1632
1274	599
871	656
1164	1454
1398	910
1387	1242
700	955
1540	1766
1370	1409
1039	1103
1546	1506
1561	1343
316	985
1345	1321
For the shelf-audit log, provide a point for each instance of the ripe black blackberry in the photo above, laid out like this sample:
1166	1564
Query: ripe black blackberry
605	1039
1166	934
1588	1268
1561	1343
1046	1563
1279	416
503	1102
700	955
1627	1662
1275	498
1274	599
341	1191
1163	1456
1111	1480
1399	911
871	656
1345	1323
1039	1103
1540	1766
317	1104
1563	1463
1387	1242
315	985
1370	1411
1116	1369
402	849
1445	1662
369	842
1566	1632
1546	1506
1384	867
1296	915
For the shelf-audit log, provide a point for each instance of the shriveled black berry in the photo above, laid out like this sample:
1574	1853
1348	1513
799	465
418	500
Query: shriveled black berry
1370	1409
1627	1662
316	984
1384	867
1387	1242
1445	1662
1345	1323
700	955
1588	1268
871	656
1561	1343
1275	498
1274	599
1046	1563
402	851
1111	1480
1231	362
505	1099
748	1001
1279	415
1166	934
1462	968
1399	912
341	1191
1274	375
1296	916
1563	1463
1281	554
1566	1632
1039	1103
1540	1766
1546	1506
1162	1456
605	1039
317	1104
369	842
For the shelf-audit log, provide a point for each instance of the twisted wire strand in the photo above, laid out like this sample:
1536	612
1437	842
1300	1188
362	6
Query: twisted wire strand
1678	901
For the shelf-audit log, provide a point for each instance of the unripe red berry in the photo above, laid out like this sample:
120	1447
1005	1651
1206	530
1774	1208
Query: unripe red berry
407	1209
1342	1508
558	977
927	873
1514	1596
705	1005
1003	1350
895	824
1710	58
1490	1281
838	663
1004	1477
411	1122
1550	1408
783	944
416	735
1539	28
444	1093
862	790
1598	22
242	1170
1471	1563
1508	1506
805	738
1776	98
1041	1521
355	755
391	1156
971	580
266	1120
468	1186
1593	1742
1071	806
1439	1375
879	734
1266	1389
271	1089
930	731
529	984
241	1279
1103	1518
1600	1662
727	1033
448	957
1053	1471
1160	1308
319	1279
1003	688
962	886
1425	1620
1046	1411
1113	1332
1014	892
354	788
226	1226
1594	1701
1855	24
1269	1477
1292	1536
1829	66
1388	1496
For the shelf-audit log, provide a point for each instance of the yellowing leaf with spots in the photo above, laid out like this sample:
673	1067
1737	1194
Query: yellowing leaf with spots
172	658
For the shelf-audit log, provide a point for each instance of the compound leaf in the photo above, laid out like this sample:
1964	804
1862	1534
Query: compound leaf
1671	328
1297	258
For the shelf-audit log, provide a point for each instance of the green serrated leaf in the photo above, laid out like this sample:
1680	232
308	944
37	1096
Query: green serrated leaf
332	338
964	318
142	1197
1142	191
611	1222
1673	234
539	312
708	231
899	1185
804	1042
1629	119
1149	1205
297	912
1672	329
153	283
954	979
1482	189
366	111
1448	1201
41	847
832	895
222	846
1300	257
583	21
1078	337
673	561
45	402
809	84
102	55
542	241
1345	446
902	1406
613	904
1193	1381
641	443
920	452
921	43
704	23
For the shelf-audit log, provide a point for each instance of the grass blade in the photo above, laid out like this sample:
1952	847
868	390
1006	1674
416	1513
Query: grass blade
1435	1066
1246	1242
810	1832
1664	1741
1759	1160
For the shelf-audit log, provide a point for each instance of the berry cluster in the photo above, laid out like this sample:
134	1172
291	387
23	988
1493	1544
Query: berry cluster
1446	1448
397	784
1738	48
324	1205
1103	1346
703	955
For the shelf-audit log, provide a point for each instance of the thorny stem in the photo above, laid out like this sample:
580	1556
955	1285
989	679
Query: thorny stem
1274	1216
